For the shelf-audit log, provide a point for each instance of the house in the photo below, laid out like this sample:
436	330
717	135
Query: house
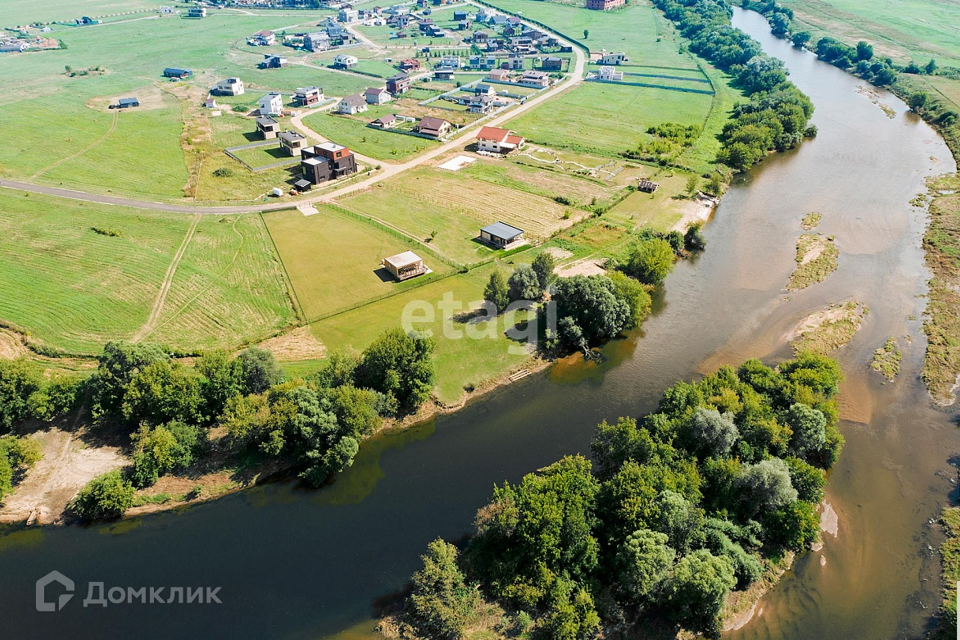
498	20
267	127
482	62
480	104
273	61
499	75
307	96
480	36
173	72
317	41
352	105
425	23
433	127
197	12
436	32
501	235
515	61
327	161
464	25
610	74
263	39
551	63
535	79
271	105
411	64
348	15
292	142
612	58
15	46
127	103
498	140
484	90
210	103
228	87
405	265
388	121
398	84
604	5
459	15
442	73
377	96
345	61
450	62
646	186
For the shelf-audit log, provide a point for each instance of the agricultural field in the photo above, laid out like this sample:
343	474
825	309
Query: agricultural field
913	29
16	13
608	119
71	288
460	362
333	259
449	208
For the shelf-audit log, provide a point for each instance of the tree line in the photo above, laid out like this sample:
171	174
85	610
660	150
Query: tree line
313	424
676	510
776	115
861	62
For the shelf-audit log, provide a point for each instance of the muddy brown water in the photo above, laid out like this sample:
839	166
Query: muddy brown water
298	564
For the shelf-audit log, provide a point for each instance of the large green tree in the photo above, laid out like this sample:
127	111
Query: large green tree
442	603
589	310
119	364
650	261
695	593
400	366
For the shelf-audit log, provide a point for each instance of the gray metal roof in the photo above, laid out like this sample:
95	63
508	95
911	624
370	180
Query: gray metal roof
502	230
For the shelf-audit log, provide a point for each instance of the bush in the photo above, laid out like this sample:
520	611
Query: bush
106	497
162	449
223	172
17	382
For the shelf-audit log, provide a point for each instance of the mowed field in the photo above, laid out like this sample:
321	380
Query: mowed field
608	119
450	207
73	289
50	116
333	259
904	30
460	361
13	13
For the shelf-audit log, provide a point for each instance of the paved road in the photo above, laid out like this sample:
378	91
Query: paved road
387	171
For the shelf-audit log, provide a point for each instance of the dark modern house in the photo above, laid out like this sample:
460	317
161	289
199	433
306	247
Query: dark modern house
173	72
327	161
501	235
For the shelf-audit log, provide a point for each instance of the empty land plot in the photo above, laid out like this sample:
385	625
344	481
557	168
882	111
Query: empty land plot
450	208
333	260
265	155
460	361
660	210
541	182
608	119
948	87
354	133
71	287
228	288
13	13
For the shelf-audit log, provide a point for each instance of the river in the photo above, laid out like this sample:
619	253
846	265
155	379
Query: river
295	564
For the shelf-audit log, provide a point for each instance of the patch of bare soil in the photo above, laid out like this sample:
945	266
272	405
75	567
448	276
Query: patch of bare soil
150	97
558	253
299	344
586	267
697	209
67	465
11	345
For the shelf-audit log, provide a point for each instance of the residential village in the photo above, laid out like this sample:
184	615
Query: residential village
397	146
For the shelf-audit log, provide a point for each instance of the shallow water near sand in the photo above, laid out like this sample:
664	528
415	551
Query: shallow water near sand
306	564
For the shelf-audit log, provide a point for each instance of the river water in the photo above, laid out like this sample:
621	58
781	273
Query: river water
297	564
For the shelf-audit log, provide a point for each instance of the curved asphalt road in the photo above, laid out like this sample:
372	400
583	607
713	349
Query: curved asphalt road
387	171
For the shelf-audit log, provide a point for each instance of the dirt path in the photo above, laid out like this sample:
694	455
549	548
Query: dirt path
113	127
167	283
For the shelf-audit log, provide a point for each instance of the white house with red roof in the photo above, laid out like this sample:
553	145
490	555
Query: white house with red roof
498	140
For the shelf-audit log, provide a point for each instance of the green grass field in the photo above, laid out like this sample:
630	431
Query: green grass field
659	210
451	207
460	362
910	29
608	119
333	260
353	132
17	13
71	288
